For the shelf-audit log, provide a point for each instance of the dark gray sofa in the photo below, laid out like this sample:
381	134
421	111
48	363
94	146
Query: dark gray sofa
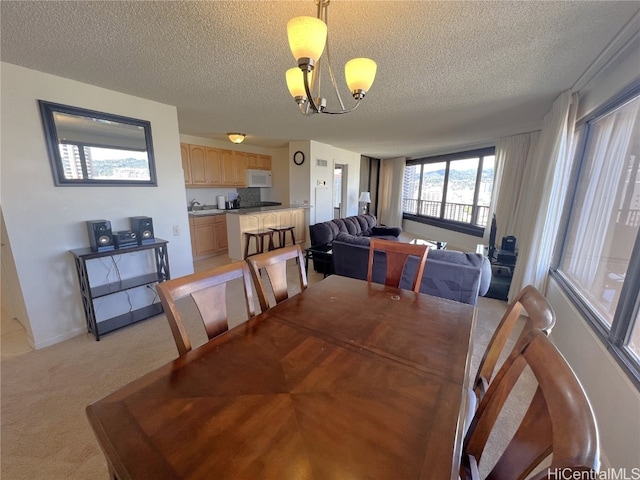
448	274
359	226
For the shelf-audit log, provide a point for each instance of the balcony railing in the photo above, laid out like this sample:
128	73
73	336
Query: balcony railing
456	212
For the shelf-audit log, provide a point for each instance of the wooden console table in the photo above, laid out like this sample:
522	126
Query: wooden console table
91	292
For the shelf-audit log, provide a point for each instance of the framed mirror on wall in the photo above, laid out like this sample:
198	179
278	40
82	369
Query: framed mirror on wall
94	148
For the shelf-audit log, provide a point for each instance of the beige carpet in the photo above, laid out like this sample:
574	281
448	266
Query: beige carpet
45	433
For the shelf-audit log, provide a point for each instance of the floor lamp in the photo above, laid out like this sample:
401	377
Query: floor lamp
365	199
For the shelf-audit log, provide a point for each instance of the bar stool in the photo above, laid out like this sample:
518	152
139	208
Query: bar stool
259	236
282	235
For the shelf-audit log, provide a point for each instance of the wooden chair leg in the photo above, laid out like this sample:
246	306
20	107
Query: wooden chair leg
246	245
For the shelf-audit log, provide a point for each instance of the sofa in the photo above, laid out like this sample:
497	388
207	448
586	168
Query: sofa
365	225
448	274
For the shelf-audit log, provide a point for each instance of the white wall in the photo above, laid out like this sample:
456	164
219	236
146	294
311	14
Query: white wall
333	156
280	167
616	402
44	222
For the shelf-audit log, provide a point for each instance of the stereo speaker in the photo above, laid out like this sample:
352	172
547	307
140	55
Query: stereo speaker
143	228
125	238
509	244
100	236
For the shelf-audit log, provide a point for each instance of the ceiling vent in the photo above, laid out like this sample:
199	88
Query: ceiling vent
321	163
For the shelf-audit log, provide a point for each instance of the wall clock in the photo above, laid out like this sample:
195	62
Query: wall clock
298	158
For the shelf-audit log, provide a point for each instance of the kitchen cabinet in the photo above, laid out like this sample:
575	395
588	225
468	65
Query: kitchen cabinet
258	162
233	168
186	167
240	169
208	235
218	167
264	162
202	165
197	161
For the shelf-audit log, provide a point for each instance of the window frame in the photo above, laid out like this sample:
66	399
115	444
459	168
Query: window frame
441	222
617	336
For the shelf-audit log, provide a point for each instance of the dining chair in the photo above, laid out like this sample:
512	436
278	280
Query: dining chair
208	290
558	426
397	254
540	316
274	265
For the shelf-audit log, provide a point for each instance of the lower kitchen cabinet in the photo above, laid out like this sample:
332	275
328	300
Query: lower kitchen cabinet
208	235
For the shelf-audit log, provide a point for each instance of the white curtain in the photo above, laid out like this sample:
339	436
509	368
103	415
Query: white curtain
513	154
390	193
600	201
540	208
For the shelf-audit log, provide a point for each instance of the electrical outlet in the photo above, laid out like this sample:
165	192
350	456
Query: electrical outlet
176	230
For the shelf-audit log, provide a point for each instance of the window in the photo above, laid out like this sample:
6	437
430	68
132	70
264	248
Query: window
599	261
450	191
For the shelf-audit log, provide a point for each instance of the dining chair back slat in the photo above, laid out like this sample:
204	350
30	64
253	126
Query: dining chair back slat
274	265
208	290
559	421
540	316
397	254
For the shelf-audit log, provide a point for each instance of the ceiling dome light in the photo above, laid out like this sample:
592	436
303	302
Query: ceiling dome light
236	137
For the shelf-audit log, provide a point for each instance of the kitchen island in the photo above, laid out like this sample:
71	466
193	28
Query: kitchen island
262	218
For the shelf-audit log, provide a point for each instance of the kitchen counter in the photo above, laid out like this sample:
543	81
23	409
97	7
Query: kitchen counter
270	208
206	211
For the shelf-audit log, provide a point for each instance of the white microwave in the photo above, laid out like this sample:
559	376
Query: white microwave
258	178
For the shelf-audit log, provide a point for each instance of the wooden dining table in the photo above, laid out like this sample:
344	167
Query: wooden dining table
346	380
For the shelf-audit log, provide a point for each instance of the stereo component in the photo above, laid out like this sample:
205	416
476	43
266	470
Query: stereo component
506	258
143	228
509	244
100	236
125	238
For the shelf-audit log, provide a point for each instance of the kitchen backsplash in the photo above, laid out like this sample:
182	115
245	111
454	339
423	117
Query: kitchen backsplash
249	197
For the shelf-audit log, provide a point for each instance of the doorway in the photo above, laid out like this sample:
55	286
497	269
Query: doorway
15	335
340	182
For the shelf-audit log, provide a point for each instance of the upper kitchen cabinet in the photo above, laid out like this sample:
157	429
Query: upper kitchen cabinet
218	167
258	162
240	168
204	164
264	162
233	168
186	168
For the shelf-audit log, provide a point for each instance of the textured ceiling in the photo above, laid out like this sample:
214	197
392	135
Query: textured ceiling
449	73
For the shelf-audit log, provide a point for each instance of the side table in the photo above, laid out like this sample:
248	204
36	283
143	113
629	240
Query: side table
321	255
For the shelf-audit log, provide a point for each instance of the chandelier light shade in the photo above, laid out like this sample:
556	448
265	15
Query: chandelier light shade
308	39
295	82
360	73
236	137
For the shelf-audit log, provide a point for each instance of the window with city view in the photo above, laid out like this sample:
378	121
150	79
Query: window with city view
450	191
97	163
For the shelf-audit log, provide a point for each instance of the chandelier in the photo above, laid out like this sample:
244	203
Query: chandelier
308	40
